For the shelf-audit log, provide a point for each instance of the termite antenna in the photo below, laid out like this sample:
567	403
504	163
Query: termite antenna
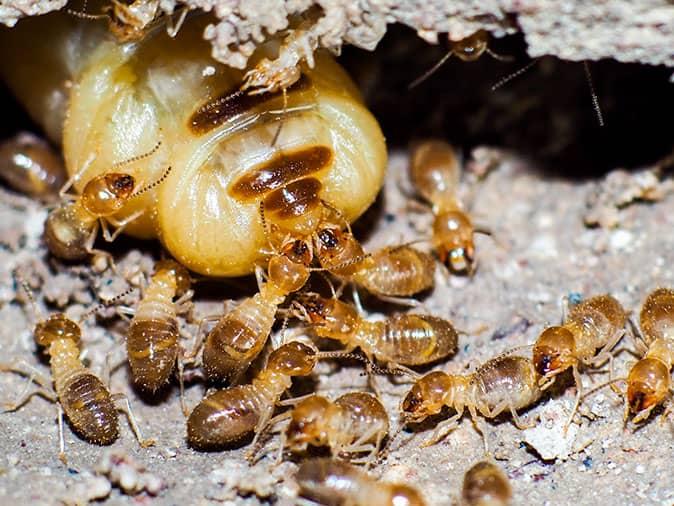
280	125
83	14
29	293
137	158
498	57
515	74
104	304
595	99
154	184
430	71
603	385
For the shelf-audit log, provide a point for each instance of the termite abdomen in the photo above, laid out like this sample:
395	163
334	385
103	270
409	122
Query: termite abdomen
89	408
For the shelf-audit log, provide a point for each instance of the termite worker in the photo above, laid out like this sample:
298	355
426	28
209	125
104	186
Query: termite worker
334	483
585	339
503	384
152	340
401	340
435	173
87	403
226	416
351	424
390	272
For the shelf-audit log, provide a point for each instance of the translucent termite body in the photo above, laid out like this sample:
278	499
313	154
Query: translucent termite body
226	416
79	393
397	271
485	484
240	335
435	173
152	340
71	228
402	339
31	166
503	384
586	338
649	381
120	99
334	483
353	423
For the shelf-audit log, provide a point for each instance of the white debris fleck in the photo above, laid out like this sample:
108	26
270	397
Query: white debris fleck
93	488
127	474
620	239
548	437
640	469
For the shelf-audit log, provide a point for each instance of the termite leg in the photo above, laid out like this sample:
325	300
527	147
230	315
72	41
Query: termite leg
442	429
519	423
401	301
75	177
579	395
62	441
200	337
119	225
144	443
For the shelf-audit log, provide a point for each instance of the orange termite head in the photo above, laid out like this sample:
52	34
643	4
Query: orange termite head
426	397
106	194
308	423
554	351
57	326
335	247
647	385
178	273
293	359
298	251
471	48
329	317
453	239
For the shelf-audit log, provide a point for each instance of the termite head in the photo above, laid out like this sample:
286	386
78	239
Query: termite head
308	423
427	396
335	247
471	48
453	237
554	351
57	326
290	270
176	273
293	359
647	385
329	317
106	194
485	484
403	495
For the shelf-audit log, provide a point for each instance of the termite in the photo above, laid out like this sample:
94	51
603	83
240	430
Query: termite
130	21
72	227
401	340
388	273
503	384
226	416
86	402
649	381
485	484
152	339
240	335
435	173
585	339
121	98
468	49
31	166
354	423
334	483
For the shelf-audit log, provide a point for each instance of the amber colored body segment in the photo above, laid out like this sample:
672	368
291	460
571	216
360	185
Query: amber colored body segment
31	166
595	323
405	339
333	483
354	422
435	173
503	384
226	416
486	485
649	381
